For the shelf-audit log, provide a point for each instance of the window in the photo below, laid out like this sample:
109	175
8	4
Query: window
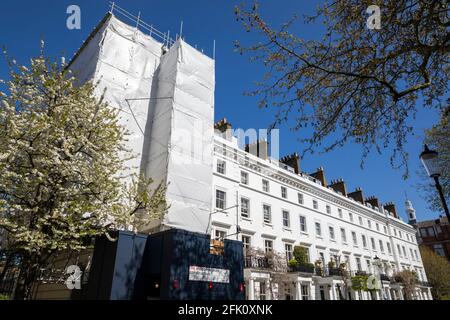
302	224
395	232
343	235
355	239
318	230
347	261
220	234
404	252
284	192
305	291
267	213
221	199
300	198
262	290
340	213
400	234
364	241
368	264
244	177
322	257
438	229
377	226
399	251
265	185
360	220
372	240
381	246
306	253
328	208
288	251
315	204
221	166
331	230
245	207
415	253
388	245
358	263
411	253
268	246
350	216
286	220
439	249
384	229
430	231
423	232
369	223
246	243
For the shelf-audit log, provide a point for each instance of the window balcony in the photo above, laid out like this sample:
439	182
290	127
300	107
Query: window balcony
424	284
256	262
385	277
302	268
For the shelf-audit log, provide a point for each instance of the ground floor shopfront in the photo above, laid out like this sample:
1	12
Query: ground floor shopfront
262	285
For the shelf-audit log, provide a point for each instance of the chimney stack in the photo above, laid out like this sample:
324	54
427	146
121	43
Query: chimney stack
224	127
339	186
320	175
391	208
373	201
357	195
259	149
292	161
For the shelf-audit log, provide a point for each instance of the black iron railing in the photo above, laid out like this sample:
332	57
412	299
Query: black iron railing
303	268
256	262
385	277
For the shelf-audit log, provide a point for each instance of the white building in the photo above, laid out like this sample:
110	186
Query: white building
165	92
280	209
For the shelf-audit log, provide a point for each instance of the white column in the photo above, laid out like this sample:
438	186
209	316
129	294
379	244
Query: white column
333	291
251	289
430	296
312	291
298	290
388	293
268	290
400	293
394	295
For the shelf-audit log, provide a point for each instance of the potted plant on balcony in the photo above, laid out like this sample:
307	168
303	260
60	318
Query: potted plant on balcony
319	267
292	264
331	264
303	264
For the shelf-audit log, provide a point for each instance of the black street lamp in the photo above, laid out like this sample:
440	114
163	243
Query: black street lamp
430	161
377	263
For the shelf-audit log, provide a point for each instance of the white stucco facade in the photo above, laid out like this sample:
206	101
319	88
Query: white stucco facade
386	237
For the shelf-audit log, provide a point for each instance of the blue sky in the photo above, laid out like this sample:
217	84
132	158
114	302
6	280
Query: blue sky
24	23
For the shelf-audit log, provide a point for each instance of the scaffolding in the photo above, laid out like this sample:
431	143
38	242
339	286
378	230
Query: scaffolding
163	37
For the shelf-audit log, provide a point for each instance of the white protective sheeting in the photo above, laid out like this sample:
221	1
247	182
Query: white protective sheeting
167	105
122	60
182	135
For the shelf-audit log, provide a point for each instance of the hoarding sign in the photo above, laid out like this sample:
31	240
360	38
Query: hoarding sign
209	274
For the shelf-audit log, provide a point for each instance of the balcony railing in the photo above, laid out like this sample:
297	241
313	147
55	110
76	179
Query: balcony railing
424	284
385	277
256	262
302	268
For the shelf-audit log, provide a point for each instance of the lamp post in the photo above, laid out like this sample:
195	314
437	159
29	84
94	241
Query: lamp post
377	263
430	162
